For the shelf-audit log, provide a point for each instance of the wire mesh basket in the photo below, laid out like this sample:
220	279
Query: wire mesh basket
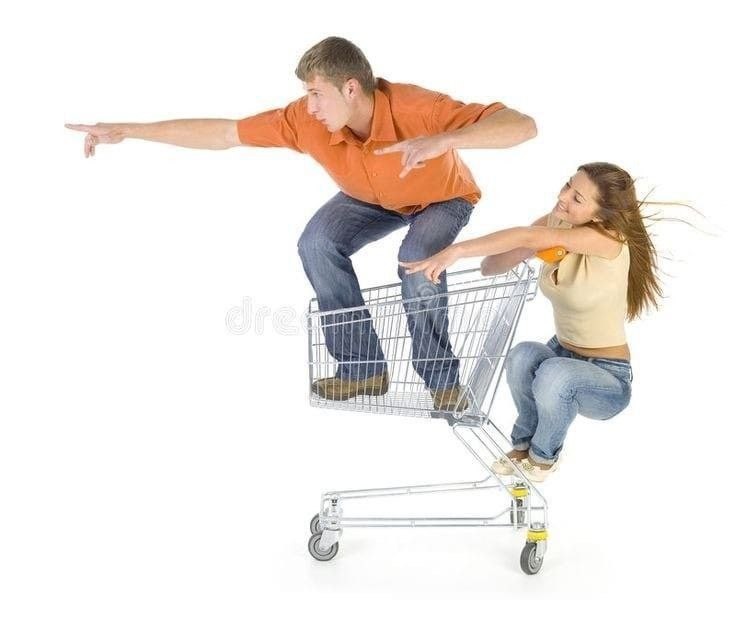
480	315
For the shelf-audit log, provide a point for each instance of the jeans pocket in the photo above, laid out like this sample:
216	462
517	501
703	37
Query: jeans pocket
467	211
618	368
461	211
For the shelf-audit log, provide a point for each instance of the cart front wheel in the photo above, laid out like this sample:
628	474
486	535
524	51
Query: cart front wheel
530	563
314	551
314	525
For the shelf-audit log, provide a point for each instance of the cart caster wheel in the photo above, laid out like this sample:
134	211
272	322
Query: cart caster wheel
314	551
314	525
530	563
520	513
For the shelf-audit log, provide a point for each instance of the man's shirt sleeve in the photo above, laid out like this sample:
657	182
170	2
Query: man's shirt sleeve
278	128
449	114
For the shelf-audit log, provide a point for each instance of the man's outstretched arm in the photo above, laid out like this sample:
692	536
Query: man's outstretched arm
504	128
209	134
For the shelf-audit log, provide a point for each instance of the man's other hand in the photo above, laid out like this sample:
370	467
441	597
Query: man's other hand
415	151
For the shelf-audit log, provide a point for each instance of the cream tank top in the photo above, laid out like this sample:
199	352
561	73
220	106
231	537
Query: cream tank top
588	296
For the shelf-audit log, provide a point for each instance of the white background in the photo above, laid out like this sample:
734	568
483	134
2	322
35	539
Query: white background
152	462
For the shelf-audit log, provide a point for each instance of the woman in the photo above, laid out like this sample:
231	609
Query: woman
607	276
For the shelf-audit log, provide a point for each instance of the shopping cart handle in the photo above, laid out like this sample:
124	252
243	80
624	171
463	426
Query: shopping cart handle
552	255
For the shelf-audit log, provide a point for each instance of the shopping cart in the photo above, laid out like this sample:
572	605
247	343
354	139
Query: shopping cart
481	314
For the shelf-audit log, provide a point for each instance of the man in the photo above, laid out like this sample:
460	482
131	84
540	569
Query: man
357	127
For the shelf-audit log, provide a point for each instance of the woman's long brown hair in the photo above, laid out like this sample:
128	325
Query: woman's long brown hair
620	217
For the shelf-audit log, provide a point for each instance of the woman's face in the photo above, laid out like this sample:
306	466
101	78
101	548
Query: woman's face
576	203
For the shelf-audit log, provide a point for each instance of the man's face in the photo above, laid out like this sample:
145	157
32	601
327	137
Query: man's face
327	103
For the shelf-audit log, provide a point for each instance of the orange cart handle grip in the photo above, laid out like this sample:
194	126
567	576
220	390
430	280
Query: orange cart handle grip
552	255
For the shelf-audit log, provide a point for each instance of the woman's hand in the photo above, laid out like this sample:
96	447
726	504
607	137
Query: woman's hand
435	265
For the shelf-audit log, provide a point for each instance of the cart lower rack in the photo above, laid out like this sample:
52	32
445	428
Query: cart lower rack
458	342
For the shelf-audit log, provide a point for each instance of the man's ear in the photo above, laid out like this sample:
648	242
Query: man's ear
351	88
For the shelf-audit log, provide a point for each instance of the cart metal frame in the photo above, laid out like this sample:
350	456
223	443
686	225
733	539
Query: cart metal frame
482	314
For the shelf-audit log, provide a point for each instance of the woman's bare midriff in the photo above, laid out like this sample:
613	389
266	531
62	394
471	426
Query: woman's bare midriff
619	352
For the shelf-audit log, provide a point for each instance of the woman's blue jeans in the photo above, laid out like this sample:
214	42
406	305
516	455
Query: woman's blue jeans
343	226
551	385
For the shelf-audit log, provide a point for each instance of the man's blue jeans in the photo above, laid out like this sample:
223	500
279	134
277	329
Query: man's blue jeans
550	385
343	226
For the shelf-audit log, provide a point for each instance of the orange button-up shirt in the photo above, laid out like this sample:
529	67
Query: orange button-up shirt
401	111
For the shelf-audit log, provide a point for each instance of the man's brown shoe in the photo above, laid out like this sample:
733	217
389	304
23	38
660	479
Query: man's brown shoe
451	399
336	389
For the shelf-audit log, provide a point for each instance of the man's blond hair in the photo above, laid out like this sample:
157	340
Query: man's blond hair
336	60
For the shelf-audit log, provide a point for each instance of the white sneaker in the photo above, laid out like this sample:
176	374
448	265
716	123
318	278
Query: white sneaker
503	466
534	472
